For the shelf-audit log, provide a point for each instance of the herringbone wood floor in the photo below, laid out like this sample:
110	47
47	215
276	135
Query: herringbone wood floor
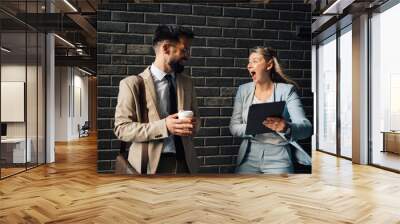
70	191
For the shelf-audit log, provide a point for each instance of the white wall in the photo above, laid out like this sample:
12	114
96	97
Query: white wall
61	103
33	126
80	83
10	73
17	73
71	102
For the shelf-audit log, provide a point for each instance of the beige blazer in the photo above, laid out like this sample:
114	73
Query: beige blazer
128	127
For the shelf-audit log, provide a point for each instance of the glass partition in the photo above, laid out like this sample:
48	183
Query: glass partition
31	98
326	136
41	96
385	89
22	88
346	92
14	153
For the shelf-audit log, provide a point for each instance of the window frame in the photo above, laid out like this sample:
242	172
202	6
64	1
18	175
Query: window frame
338	33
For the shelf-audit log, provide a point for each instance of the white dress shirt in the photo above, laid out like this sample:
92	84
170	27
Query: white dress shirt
162	91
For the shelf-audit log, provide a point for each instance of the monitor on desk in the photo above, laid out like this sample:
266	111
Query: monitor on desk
3	130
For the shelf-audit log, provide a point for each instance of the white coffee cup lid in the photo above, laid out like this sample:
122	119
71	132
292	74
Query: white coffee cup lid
185	113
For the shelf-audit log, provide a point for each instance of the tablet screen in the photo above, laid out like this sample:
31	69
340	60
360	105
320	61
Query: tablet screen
259	112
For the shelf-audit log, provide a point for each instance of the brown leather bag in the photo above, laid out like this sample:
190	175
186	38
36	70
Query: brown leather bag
122	165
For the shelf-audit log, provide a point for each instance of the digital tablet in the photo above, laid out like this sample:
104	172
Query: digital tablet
259	112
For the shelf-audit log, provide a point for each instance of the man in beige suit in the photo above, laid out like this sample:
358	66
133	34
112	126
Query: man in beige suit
162	138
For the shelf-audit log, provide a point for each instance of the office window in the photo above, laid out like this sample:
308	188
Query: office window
327	95
22	102
15	148
346	92
385	88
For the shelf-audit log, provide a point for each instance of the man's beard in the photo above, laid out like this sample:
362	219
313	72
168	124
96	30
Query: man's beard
176	66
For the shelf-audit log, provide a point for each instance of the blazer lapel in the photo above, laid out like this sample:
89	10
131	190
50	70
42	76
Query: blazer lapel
150	91
248	100
180	92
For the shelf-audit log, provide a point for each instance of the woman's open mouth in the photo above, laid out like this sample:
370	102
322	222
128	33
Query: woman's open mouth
252	73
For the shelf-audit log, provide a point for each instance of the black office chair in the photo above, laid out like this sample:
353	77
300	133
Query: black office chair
84	130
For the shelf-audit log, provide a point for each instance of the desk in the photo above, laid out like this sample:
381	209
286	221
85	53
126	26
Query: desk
13	150
391	141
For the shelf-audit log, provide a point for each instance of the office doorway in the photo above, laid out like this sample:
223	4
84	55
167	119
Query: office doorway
75	97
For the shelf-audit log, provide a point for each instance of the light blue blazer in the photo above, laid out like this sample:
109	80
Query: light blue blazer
300	126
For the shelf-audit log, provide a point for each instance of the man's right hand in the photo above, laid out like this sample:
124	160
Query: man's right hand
180	127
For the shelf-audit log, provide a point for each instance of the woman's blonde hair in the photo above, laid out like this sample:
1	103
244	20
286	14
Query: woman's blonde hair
277	74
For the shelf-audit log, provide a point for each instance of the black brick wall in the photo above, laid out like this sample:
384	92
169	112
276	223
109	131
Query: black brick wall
224	34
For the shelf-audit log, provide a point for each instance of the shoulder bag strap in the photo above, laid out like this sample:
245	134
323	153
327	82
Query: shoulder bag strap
144	119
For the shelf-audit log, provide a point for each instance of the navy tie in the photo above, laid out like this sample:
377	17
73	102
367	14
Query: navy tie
173	108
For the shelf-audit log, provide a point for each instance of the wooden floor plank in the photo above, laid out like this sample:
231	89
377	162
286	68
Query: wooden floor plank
70	191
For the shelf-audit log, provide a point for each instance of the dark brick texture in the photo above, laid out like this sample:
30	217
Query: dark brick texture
224	34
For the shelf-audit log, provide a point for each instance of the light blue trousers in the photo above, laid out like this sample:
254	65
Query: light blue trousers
264	158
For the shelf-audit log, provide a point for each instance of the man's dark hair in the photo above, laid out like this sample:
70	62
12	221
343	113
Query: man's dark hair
171	33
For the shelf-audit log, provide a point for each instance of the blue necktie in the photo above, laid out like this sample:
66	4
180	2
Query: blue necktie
173	108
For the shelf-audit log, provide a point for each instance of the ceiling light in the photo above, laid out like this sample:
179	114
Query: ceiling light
79	51
65	41
5	50
337	7
86	72
331	7
70	5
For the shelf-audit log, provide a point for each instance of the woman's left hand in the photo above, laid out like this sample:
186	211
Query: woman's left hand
275	123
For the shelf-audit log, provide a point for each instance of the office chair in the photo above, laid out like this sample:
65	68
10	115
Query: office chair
84	130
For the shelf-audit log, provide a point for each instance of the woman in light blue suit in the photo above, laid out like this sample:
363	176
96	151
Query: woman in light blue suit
269	152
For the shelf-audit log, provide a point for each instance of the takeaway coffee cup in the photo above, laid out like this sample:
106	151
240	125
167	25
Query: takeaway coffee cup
185	114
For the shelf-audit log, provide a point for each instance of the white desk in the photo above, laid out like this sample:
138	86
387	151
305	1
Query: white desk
17	147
